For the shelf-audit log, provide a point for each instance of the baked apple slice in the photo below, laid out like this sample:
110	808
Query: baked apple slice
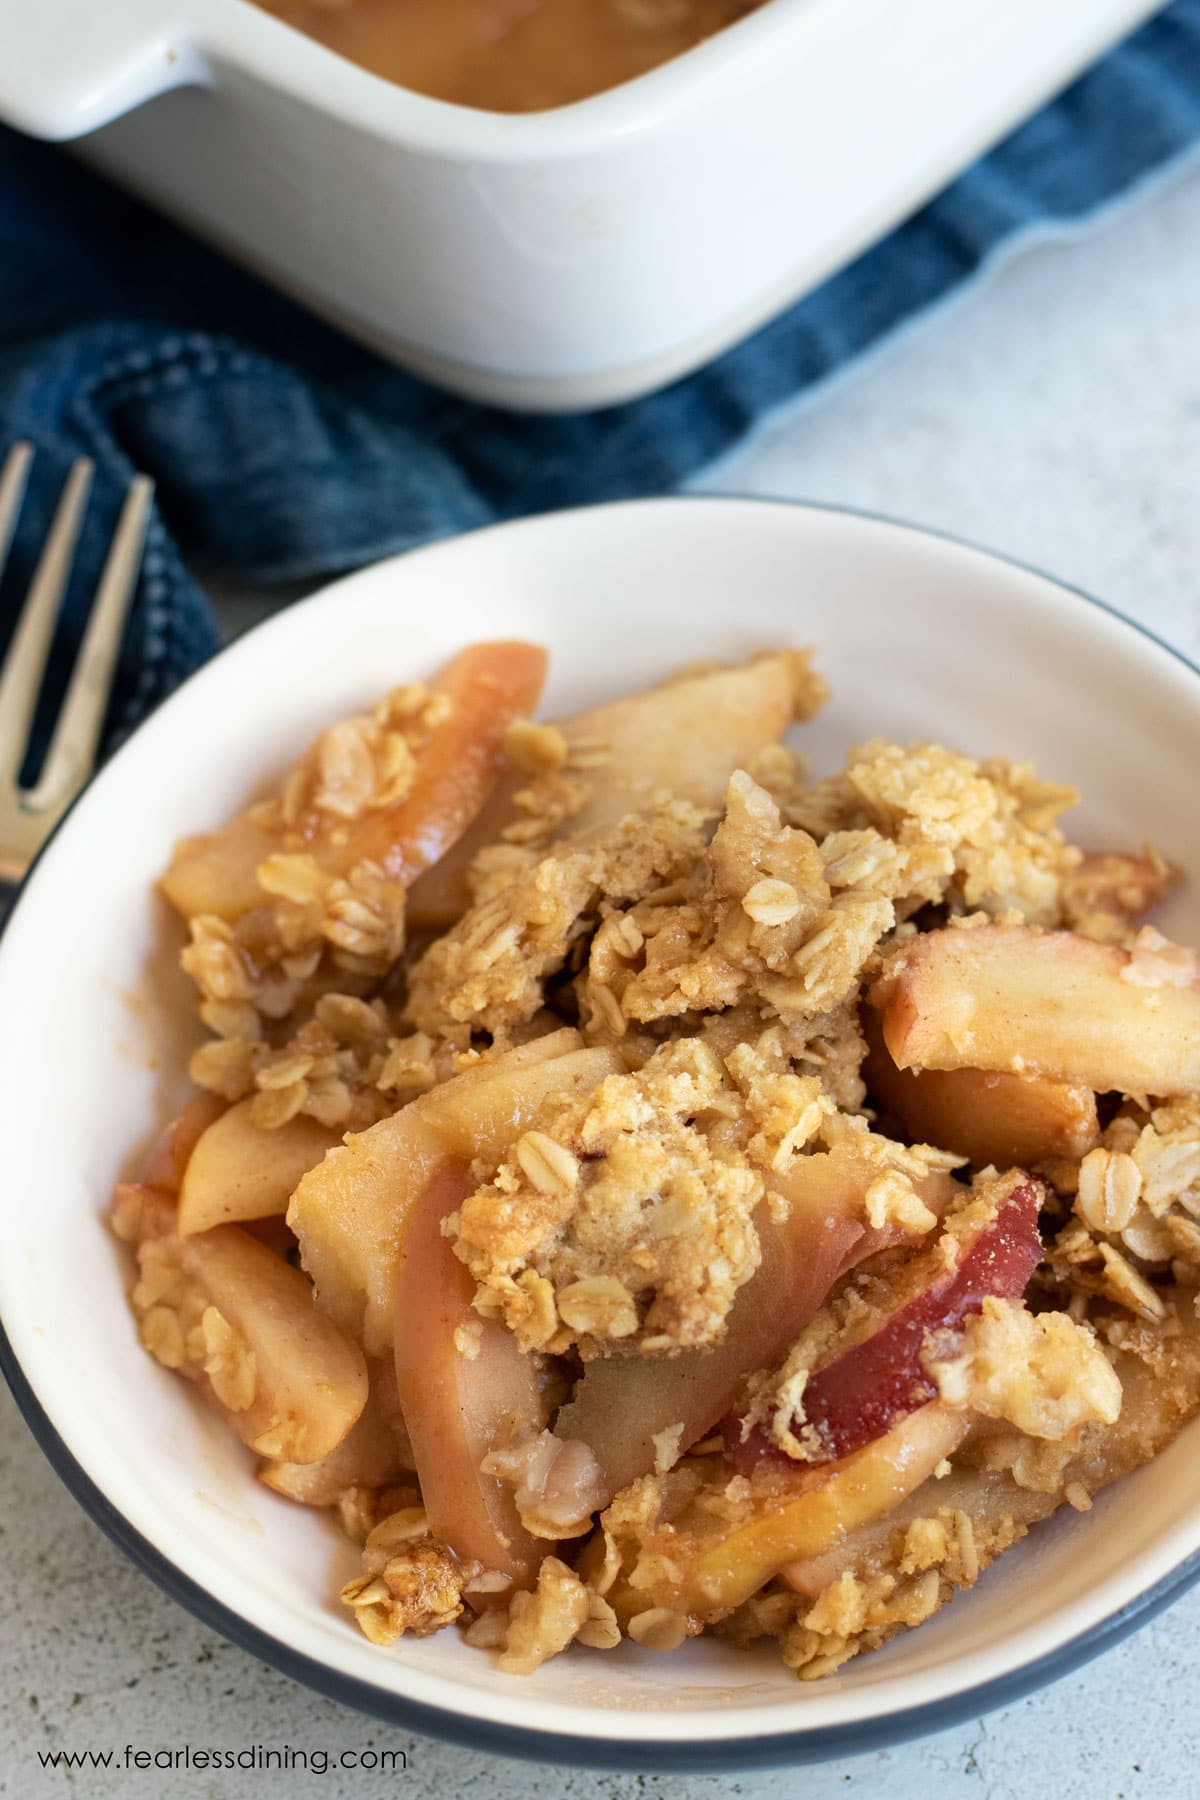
485	687
375	1453
148	1207
701	1567
1157	1399
686	738
621	1405
239	1171
1049	1003
878	1377
139	1213
690	735
168	1157
233	1317
988	1115
349	1212
464	1387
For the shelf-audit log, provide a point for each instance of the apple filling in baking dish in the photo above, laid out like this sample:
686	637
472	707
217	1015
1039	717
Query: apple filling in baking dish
510	56
644	1190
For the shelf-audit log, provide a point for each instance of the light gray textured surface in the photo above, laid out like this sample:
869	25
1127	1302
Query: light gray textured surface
1054	413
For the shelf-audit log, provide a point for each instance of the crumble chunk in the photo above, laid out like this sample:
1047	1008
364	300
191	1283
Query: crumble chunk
409	1582
787	1110
1136	1209
543	1623
344	1066
557	1485
1108	892
490	968
1043	1372
314	930
181	1328
852	1616
773	919
995	818
625	1209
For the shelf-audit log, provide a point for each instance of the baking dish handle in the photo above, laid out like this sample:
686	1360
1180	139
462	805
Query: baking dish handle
62	77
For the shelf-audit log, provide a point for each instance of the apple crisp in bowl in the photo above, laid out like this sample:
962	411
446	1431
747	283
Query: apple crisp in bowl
645	1186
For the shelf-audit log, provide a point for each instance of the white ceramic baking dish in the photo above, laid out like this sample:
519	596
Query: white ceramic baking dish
560	259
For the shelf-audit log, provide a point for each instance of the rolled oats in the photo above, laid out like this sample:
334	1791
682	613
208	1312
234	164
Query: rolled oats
771	902
658	1629
1122	1283
535	749
547	1165
1110	1185
598	1306
543	1623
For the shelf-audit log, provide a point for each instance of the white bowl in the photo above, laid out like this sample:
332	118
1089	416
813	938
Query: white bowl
921	637
562	259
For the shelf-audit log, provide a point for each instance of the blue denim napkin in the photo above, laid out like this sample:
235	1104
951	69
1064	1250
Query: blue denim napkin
282	451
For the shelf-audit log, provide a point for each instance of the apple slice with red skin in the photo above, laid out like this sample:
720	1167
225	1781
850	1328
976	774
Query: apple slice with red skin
488	686
981	1483
866	1484
464	1387
621	1403
862	1391
702	1566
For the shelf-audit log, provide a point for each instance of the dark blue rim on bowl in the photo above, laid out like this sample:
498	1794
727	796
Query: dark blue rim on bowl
768	1750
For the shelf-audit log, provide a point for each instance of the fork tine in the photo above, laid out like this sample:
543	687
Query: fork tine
12	491
26	660
72	749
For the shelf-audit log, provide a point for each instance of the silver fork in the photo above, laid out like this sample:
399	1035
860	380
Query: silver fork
29	815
